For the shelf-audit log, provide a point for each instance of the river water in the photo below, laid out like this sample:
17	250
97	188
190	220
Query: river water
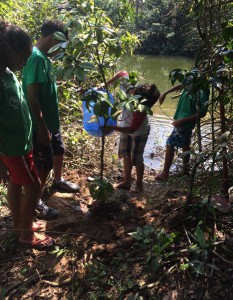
155	69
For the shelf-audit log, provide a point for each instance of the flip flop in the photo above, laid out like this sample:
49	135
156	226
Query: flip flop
46	243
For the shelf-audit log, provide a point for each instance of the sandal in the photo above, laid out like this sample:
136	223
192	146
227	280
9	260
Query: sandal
46	243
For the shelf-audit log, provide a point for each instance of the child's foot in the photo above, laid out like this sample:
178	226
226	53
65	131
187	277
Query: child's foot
162	177
36	241
36	226
124	185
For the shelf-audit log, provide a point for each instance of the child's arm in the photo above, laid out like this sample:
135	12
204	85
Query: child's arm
117	76
3	173
114	78
178	123
171	90
138	118
126	130
204	97
32	93
193	118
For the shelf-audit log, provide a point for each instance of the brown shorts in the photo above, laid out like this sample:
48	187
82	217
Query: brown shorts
133	146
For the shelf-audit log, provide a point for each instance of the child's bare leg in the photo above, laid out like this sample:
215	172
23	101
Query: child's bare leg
28	206
126	184
140	172
186	160
14	199
167	164
43	177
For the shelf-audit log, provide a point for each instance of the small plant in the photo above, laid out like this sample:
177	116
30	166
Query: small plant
101	189
156	242
59	251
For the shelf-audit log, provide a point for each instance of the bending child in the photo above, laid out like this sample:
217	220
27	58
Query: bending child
16	140
185	119
134	130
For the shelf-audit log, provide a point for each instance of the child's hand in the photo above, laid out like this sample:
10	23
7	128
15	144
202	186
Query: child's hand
177	123
3	173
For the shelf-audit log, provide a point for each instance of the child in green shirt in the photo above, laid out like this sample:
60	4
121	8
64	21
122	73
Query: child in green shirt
16	139
185	119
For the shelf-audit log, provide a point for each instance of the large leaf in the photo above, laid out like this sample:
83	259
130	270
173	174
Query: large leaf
68	73
200	236
60	36
99	35
55	48
81	74
87	65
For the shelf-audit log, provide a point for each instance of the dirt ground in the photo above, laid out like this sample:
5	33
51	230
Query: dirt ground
141	246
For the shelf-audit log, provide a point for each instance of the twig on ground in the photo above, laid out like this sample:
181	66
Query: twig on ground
15	288
168	214
56	284
186	233
222	258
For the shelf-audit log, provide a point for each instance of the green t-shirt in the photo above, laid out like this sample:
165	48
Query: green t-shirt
186	106
15	120
39	70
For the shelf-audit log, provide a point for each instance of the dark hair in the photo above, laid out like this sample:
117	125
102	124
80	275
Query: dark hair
51	26
149	92
13	38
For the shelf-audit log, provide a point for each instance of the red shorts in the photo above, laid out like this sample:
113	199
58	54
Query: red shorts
22	170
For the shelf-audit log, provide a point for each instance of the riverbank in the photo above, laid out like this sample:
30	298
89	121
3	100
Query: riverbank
145	247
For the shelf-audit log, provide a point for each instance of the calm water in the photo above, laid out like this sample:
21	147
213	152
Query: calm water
155	69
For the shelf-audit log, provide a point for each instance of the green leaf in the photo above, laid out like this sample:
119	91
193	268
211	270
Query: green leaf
81	74
184	267
200	236
141	107
87	65
68	73
122	95
129	107
55	48
99	35
96	108
59	36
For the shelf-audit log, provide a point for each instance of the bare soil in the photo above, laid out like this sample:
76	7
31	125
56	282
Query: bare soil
97	257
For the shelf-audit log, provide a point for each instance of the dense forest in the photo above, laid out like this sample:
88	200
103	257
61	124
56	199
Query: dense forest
171	241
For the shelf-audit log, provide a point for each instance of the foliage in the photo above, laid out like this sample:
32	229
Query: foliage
213	69
101	190
166	27
157	243
94	45
29	15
